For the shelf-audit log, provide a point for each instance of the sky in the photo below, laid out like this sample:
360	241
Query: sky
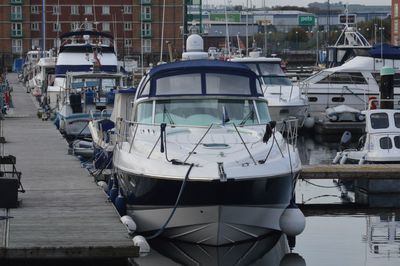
300	2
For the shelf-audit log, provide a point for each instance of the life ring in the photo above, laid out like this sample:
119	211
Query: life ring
372	102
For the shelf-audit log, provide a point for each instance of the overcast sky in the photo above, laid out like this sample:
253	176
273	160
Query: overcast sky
298	2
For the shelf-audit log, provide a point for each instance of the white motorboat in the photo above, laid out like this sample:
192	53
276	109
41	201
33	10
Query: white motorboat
381	141
353	84
82	50
102	128
199	160
43	75
285	100
86	95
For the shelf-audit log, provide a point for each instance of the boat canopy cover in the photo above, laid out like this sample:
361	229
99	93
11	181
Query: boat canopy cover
386	51
86	32
200	77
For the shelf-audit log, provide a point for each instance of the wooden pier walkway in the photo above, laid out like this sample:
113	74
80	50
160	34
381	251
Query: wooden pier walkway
63	214
351	171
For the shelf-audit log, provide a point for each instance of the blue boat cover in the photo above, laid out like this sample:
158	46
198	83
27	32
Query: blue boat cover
386	51
202	65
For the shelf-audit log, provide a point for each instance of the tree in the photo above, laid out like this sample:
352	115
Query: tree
374	26
296	36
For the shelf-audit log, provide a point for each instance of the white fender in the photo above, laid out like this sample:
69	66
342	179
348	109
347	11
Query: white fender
129	223
337	158
343	160
140	241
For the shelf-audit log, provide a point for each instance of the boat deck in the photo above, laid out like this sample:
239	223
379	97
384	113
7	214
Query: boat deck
63	213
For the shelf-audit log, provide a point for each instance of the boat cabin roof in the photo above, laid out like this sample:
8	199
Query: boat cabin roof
84	74
382	120
200	77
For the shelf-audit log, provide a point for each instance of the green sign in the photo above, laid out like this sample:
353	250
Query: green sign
306	20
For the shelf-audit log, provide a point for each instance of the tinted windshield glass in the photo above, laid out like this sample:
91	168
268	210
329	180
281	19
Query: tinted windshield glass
271	69
204	112
277	80
227	84
179	84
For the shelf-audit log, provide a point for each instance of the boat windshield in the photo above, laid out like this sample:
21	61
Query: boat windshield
105	84
271	73
203	112
276	81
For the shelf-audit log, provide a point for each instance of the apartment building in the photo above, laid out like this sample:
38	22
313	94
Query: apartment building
138	26
395	22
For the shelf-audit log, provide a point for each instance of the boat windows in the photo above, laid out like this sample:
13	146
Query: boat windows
396	79
344	77
276	81
253	67
397	142
385	143
379	120
203	112
144	113
217	83
312	99
268	69
337	99
179	84
396	117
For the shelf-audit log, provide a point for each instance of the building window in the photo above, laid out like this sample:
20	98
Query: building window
88	10
56	10
74	25
35	43
396	26
17	46
146	12
74	10
35	26
128	43
106	26
16	12
56	27
396	10
106	10
147	46
16	29
146	29
35	9
106	42
127	9
128	26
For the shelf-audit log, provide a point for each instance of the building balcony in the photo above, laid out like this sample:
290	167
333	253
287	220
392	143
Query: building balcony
16	17
16	2
145	2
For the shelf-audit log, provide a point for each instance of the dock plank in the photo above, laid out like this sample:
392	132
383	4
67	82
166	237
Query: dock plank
63	213
351	171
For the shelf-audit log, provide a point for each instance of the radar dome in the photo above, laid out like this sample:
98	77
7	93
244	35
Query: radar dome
194	43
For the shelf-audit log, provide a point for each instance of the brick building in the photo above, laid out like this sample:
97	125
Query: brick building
395	22
21	25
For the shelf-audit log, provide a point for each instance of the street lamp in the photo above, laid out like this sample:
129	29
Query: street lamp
297	40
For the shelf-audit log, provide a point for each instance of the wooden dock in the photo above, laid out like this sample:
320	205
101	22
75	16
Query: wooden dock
63	214
351	171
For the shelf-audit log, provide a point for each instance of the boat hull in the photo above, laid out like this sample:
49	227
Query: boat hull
212	213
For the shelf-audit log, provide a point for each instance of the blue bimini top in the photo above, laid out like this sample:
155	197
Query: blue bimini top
200	77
